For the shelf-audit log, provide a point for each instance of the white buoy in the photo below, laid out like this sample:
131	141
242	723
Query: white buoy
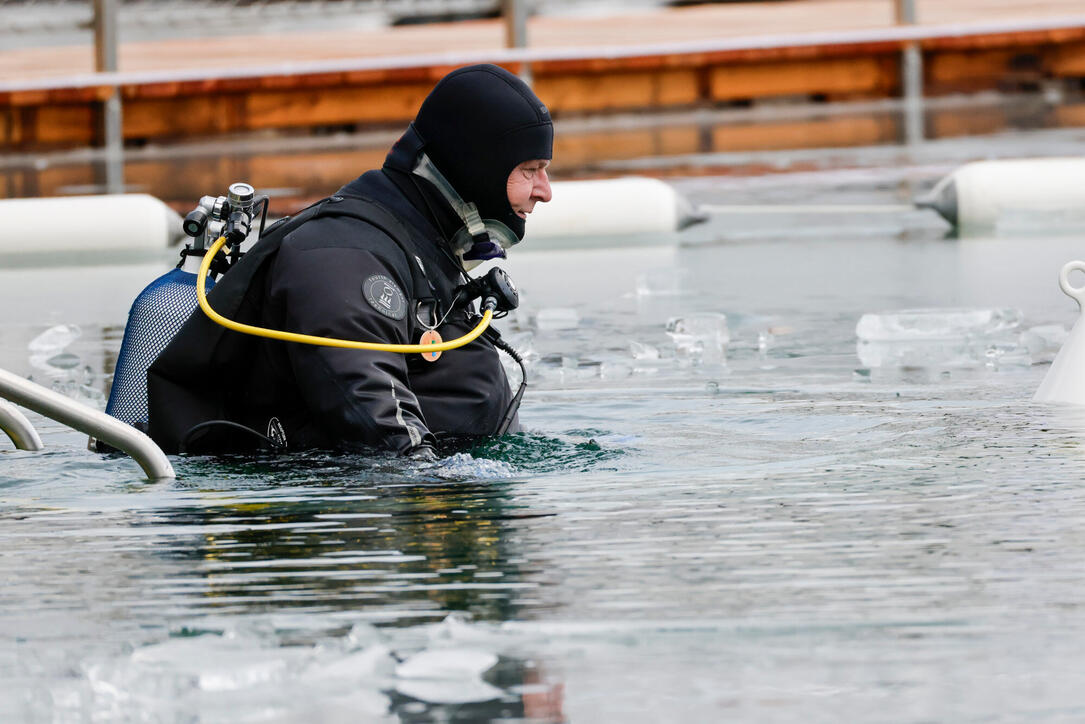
1012	195
609	208
81	224
1065	381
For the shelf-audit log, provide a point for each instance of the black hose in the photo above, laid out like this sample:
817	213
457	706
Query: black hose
514	405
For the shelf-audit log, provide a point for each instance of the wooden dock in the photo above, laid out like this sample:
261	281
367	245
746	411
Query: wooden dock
690	57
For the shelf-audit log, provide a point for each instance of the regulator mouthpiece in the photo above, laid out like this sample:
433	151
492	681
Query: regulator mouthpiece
497	290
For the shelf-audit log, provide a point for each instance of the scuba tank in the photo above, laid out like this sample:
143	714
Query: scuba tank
162	308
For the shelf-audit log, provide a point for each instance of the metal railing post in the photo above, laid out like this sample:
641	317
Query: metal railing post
106	41
911	79
515	12
87	420
18	428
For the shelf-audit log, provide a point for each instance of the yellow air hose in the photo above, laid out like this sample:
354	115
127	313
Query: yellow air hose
201	296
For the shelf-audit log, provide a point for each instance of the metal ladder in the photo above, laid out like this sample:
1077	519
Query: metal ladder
67	411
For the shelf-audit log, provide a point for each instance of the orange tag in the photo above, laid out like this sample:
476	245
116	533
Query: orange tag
431	336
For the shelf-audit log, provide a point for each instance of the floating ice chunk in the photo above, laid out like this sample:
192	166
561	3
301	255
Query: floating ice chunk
662	283
936	324
557	318
214	663
937	338
448	676
1008	355
363	635
766	338
341	701
764	341
700	335
1044	342
54	339
921	353
454	663
64	361
369	663
455	626
641	351
58	366
449	692
614	370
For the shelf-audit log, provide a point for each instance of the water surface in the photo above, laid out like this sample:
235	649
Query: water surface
772	533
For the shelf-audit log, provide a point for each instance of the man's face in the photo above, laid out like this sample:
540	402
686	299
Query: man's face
527	185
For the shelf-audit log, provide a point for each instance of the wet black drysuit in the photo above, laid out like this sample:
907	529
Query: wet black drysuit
371	263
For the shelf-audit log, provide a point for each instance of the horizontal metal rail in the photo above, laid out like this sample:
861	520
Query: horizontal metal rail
896	36
97	424
18	428
50	17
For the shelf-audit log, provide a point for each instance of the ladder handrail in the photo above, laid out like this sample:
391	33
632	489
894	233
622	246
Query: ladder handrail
97	424
18	428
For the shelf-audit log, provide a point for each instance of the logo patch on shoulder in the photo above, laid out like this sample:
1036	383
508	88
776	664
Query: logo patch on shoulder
385	296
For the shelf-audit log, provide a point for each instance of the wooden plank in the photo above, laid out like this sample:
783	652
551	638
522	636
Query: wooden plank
958	122
820	133
1067	61
155	118
615	90
333	106
1069	116
55	96
13	184
584	149
960	71
313	173
838	75
64	125
59	180
22	126
183	181
1008	40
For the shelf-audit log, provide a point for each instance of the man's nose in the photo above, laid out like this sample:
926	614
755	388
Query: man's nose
541	191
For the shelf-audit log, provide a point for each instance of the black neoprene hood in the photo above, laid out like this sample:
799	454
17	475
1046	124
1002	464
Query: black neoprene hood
477	125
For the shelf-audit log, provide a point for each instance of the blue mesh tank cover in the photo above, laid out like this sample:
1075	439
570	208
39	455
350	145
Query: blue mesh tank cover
157	314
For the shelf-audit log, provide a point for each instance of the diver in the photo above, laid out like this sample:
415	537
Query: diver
383	259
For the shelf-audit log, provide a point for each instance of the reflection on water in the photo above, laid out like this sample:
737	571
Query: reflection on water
775	533
185	576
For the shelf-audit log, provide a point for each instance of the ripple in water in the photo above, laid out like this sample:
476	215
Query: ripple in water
576	451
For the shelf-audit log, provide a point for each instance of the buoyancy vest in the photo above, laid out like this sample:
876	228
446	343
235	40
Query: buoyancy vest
191	383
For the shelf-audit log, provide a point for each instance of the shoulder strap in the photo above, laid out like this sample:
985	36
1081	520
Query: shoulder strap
380	216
